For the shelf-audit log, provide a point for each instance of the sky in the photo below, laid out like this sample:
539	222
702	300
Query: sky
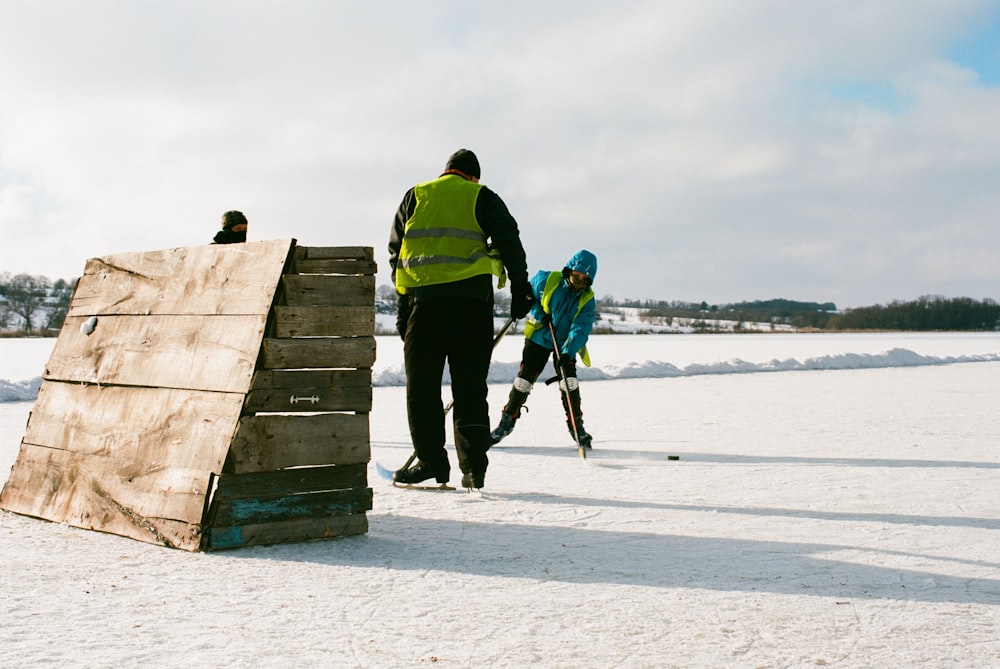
844	152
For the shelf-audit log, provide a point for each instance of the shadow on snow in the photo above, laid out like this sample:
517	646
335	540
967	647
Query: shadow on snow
581	556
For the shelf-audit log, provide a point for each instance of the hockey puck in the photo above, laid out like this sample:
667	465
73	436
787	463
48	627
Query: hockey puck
673	457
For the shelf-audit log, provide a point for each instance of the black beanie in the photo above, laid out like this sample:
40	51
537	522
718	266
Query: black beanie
464	161
233	218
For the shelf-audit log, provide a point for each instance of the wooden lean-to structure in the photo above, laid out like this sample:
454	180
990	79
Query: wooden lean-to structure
207	398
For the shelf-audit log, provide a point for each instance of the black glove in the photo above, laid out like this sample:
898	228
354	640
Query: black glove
568	363
403	308
521	299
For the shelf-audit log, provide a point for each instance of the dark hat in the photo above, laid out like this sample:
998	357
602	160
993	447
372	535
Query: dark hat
233	218
464	161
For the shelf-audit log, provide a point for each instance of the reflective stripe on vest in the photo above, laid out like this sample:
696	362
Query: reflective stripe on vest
531	326
442	241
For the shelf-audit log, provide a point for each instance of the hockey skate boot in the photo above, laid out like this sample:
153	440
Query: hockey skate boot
505	427
473	480
585	437
420	472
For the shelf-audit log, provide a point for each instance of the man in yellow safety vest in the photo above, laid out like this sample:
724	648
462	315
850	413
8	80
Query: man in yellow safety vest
450	237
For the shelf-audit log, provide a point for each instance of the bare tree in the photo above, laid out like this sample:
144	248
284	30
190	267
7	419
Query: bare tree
25	295
386	292
58	307
501	303
385	299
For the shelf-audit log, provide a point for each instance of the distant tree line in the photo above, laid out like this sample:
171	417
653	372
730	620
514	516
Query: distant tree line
33	303
930	312
927	313
786	312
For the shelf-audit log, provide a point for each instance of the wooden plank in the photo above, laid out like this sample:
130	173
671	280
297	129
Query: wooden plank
291	482
320	352
306	399
147	502
289	531
334	253
163	427
264	443
210	279
313	390
324	321
311	378
321	290
198	352
254	510
335	267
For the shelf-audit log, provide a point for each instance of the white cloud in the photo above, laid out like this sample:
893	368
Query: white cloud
17	210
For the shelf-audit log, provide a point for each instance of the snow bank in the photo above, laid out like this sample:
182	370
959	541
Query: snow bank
22	391
504	372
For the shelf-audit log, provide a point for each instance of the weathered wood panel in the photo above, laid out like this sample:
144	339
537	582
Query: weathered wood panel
320	352
311	378
320	290
306	400
289	531
291	481
254	510
334	260
210	279
143	501
264	443
324	321
335	267
138	416
288	390
163	427
197	352
334	253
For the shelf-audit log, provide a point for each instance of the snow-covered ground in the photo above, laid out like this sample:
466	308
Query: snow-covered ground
836	503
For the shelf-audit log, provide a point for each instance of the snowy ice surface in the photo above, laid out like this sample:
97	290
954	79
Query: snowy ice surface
845	513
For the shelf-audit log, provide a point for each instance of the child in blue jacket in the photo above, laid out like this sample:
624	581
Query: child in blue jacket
564	298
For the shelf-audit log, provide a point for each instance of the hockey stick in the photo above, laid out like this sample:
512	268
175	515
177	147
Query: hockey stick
387	473
581	449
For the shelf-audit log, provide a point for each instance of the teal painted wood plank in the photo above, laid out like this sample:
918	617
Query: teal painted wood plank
310	505
289	531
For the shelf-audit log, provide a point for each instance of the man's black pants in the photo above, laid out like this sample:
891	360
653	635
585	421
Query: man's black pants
460	332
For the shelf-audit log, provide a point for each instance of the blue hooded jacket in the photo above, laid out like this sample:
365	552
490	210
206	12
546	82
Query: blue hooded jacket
572	328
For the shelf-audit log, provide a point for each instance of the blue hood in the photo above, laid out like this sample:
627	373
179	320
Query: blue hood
586	262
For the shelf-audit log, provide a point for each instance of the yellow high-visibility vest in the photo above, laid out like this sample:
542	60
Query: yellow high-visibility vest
442	241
